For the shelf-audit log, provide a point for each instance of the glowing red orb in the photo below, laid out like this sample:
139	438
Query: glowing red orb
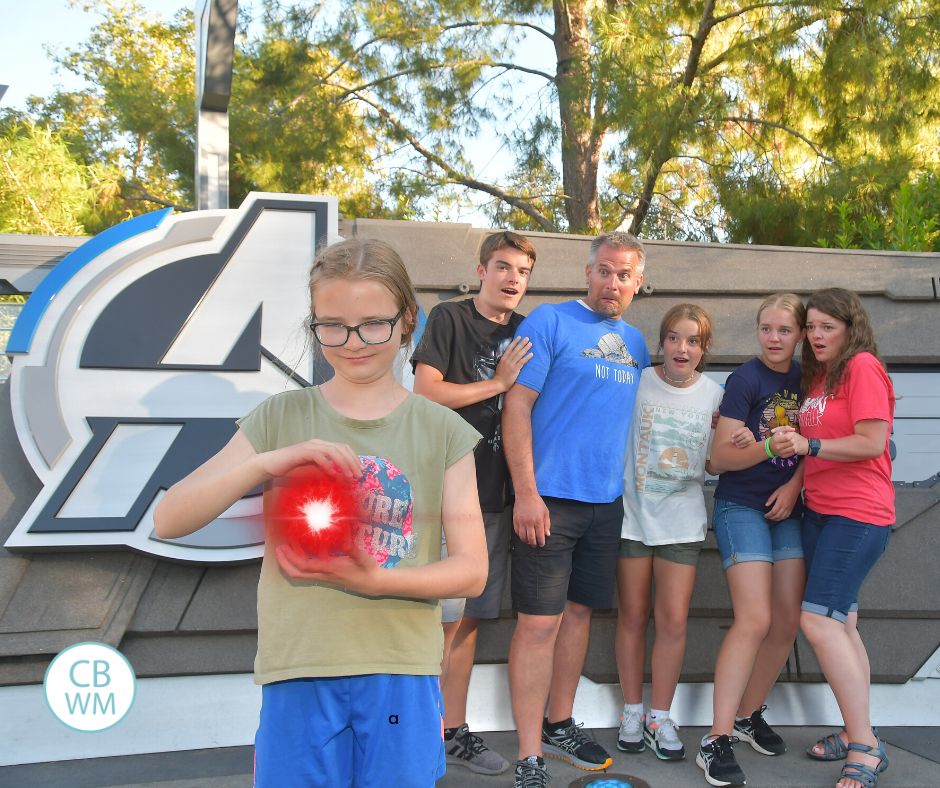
313	511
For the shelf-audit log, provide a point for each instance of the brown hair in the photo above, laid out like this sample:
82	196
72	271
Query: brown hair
619	240
846	306
368	258
506	240
698	316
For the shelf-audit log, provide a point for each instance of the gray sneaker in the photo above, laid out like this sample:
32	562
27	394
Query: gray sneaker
630	735
467	749
531	772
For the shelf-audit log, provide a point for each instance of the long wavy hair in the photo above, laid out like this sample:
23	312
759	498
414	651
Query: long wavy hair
846	306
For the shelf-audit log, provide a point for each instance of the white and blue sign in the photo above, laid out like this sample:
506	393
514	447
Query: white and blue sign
90	686
134	357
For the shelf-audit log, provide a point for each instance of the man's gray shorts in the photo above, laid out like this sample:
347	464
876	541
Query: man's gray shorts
498	526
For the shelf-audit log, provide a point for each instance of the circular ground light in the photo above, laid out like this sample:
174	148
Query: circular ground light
608	780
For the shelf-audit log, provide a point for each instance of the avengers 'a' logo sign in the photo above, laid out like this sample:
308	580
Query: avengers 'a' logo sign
134	357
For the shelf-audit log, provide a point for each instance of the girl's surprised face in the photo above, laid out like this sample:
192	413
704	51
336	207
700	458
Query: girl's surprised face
826	334
778	334
340	307
682	349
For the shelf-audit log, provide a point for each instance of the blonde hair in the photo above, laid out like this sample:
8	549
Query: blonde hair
698	316
359	259
788	302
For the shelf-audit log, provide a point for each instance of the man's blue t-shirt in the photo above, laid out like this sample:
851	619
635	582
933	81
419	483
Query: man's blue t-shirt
586	369
762	399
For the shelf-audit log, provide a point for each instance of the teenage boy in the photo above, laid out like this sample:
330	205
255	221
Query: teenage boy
566	422
467	359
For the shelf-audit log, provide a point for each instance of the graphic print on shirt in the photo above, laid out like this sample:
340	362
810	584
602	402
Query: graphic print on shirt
813	409
780	410
611	347
667	438
385	527
485	360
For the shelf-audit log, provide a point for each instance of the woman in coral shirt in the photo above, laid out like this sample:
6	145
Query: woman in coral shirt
845	422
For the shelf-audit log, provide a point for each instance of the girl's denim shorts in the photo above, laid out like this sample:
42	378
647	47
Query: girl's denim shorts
744	534
840	552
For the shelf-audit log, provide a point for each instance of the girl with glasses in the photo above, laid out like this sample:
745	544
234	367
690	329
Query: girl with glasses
350	644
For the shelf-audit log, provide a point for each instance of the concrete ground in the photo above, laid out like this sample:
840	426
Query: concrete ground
914	754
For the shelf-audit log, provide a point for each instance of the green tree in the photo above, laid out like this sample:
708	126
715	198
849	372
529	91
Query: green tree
864	86
640	114
289	130
706	120
138	112
43	189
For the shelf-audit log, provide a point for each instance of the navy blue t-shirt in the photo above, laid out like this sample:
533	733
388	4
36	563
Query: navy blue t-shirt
762	399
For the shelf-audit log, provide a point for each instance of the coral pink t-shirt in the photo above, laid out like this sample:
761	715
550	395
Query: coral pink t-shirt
861	490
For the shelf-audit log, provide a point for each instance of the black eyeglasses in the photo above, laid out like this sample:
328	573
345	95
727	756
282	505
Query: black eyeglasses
372	332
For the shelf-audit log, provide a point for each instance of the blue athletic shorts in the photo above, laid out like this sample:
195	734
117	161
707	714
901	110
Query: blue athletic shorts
370	731
840	552
744	534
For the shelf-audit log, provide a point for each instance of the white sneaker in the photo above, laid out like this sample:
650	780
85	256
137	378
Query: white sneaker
663	738
630	736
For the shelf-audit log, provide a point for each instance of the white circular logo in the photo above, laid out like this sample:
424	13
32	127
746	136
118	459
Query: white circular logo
90	686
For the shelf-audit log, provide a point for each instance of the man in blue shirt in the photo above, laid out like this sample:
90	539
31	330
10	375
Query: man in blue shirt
565	427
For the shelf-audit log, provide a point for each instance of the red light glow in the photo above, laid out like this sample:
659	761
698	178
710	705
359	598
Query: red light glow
315	512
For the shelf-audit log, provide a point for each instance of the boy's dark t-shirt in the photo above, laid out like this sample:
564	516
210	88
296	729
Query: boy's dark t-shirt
465	347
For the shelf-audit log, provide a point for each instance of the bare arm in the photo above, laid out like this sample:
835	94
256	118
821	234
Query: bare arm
462	574
219	482
726	455
430	383
530	517
866	442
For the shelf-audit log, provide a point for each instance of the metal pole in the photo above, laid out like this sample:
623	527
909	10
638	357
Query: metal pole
215	54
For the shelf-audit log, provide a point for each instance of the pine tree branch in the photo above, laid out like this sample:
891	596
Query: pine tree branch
27	196
662	150
773	124
748	8
432	67
752	43
397	34
142	195
455	176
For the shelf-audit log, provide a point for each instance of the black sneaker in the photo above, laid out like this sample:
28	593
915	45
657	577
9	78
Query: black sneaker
531	772
716	759
569	742
756	732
